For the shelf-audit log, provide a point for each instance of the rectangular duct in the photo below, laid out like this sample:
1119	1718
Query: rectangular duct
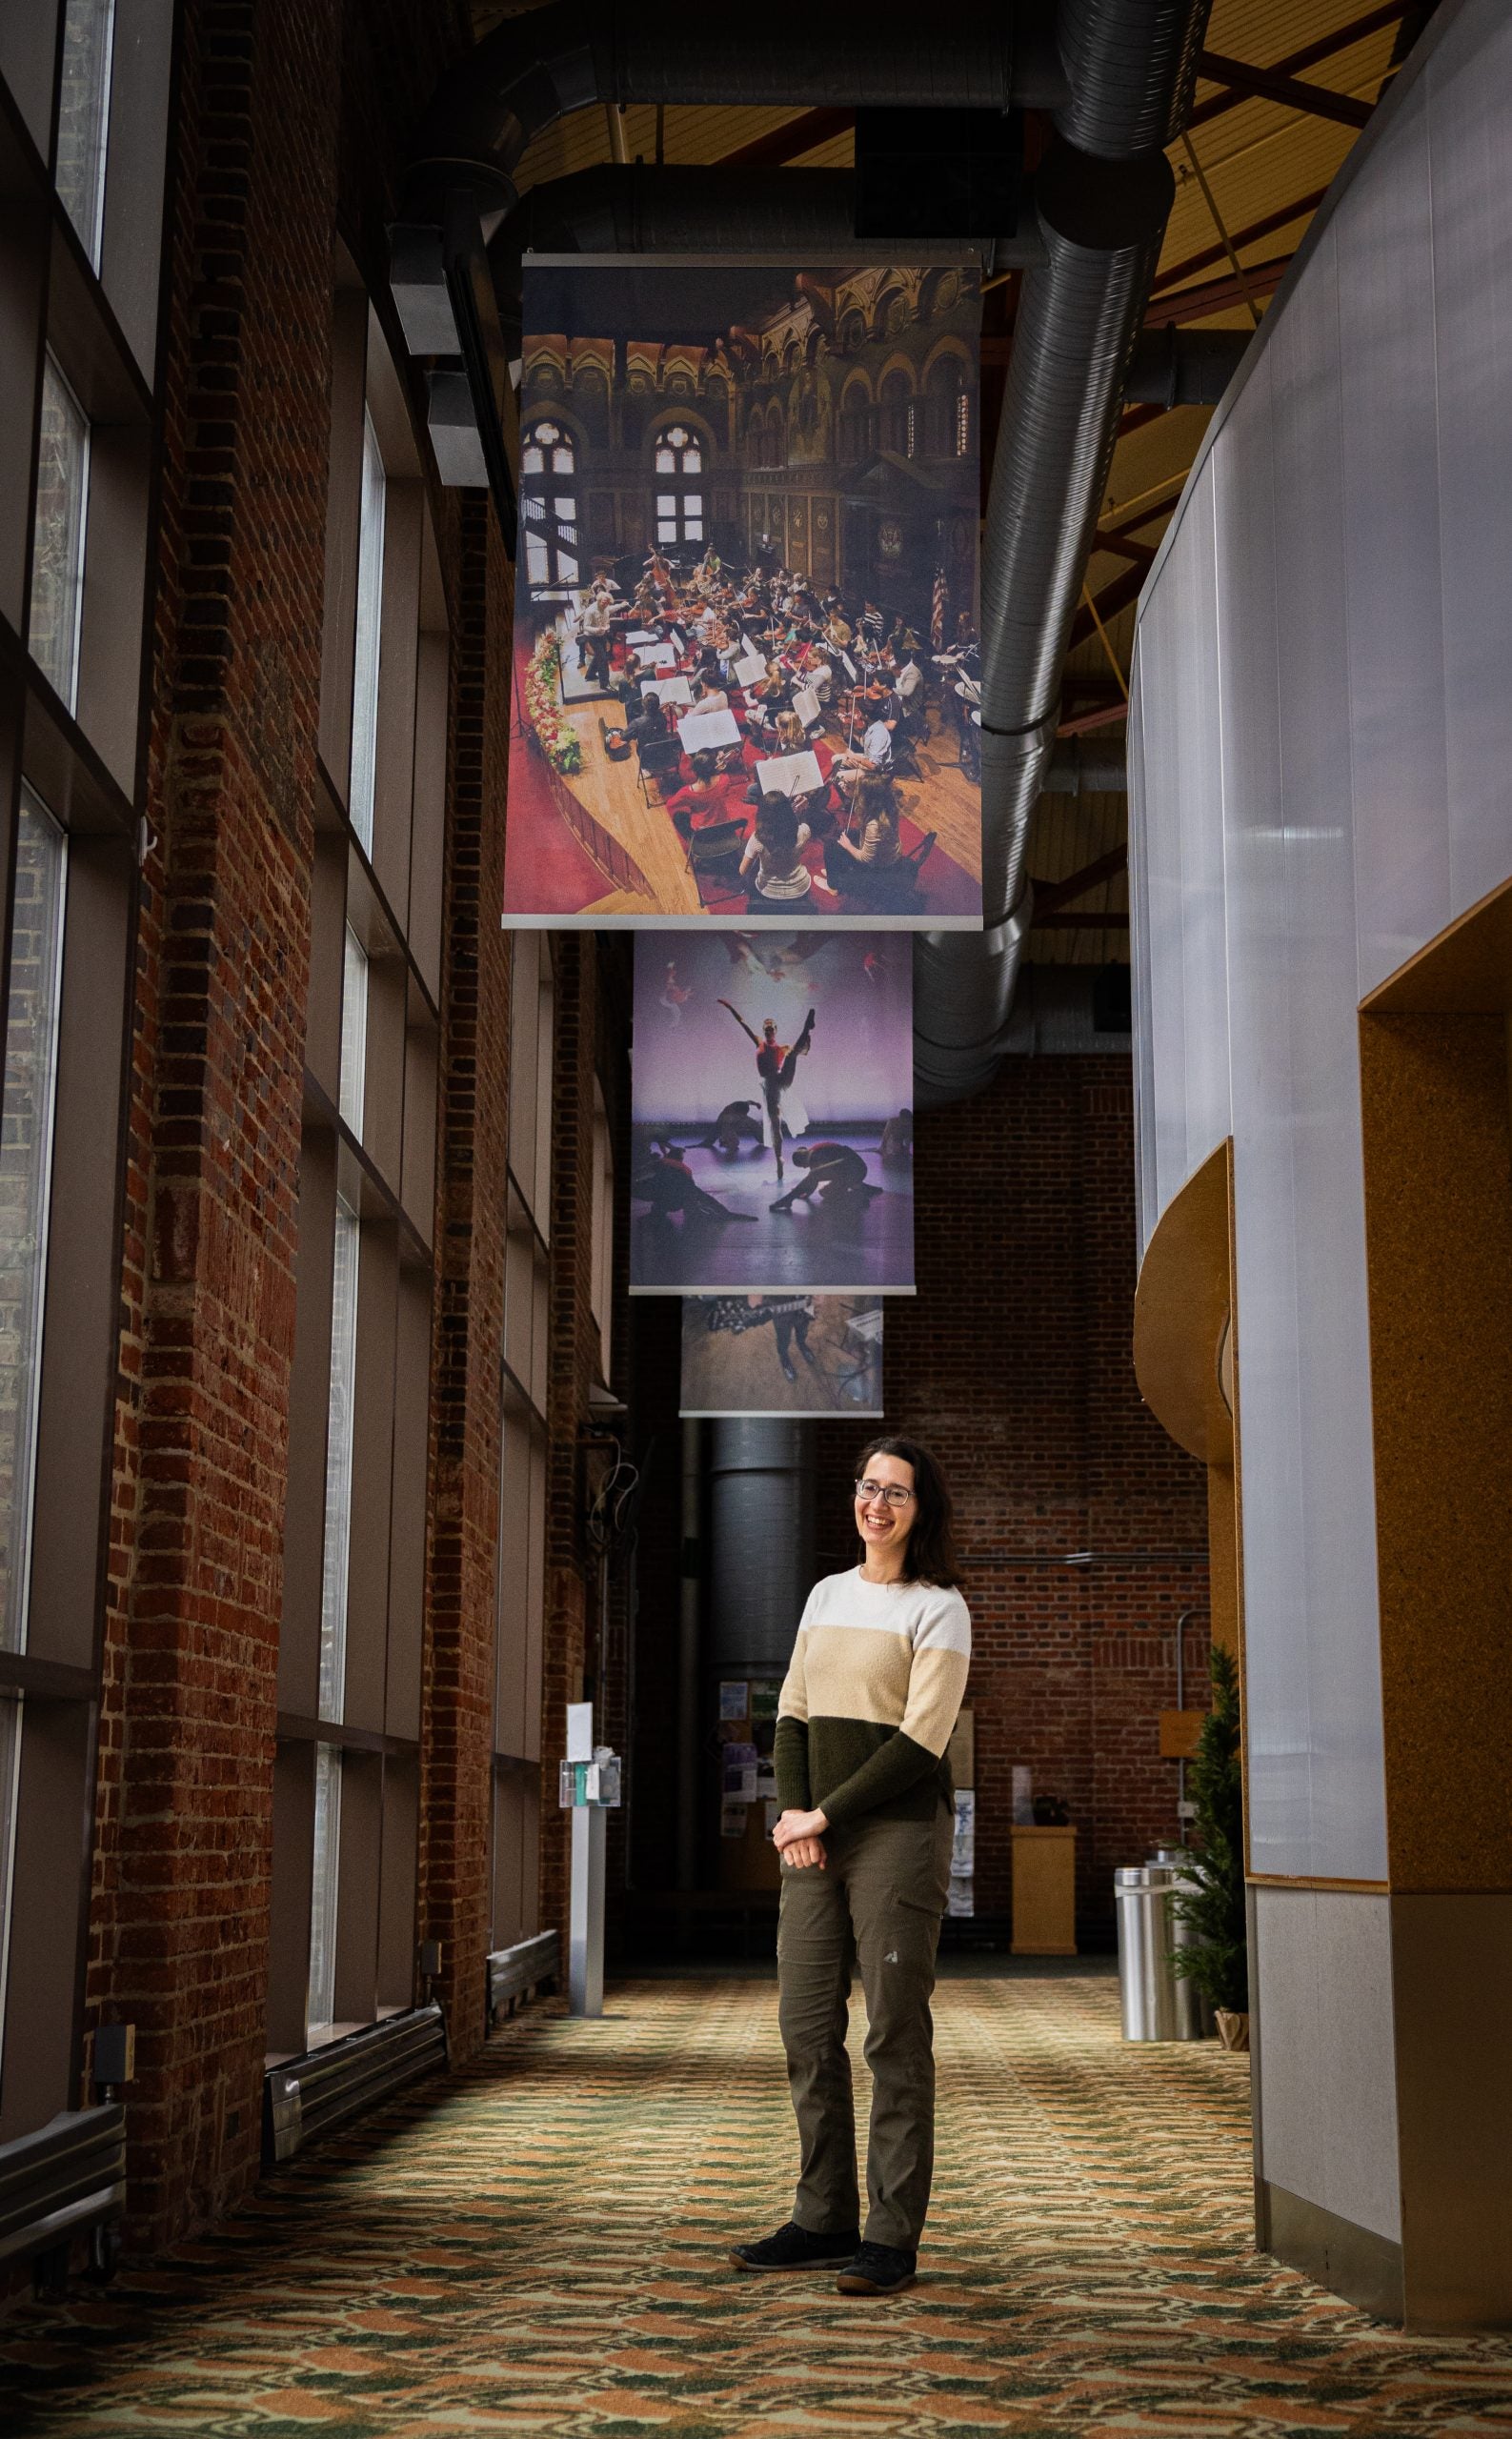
307	2098
515	1972
70	2174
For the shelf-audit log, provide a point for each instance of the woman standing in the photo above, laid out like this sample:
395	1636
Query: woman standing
864	1717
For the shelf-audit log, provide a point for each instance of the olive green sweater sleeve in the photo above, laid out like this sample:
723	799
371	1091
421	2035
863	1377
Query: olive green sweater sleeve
790	1755
885	1774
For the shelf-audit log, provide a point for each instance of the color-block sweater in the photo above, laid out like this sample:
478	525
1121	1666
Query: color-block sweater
870	1699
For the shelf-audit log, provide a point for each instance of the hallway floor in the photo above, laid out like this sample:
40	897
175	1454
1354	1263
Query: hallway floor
540	2248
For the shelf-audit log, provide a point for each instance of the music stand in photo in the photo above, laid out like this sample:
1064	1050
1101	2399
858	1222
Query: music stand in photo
707	731
790	775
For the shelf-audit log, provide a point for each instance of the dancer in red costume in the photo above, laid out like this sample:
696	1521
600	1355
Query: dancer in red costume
776	1065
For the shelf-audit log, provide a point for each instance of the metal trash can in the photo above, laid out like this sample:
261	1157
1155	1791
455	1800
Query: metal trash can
1155	2005
1194	2017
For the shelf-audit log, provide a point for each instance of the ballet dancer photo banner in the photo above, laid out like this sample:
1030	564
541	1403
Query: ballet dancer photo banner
771	1085
782	1357
745	675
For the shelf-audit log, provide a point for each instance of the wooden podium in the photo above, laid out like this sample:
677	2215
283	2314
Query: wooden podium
1044	1892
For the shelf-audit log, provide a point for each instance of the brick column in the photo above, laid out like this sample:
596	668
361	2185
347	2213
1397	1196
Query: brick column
467	1344
194	1589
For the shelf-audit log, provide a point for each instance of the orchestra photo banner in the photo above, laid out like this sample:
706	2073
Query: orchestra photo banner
771	1120
782	1357
746	676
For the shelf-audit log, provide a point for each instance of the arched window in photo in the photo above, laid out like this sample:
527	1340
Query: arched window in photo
900	428
854	430
549	504
948	422
678	495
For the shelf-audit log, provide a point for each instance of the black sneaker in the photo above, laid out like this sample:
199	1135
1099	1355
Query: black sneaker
878	2269
795	2247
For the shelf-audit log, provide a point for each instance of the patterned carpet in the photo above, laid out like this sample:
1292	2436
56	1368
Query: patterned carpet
538	2246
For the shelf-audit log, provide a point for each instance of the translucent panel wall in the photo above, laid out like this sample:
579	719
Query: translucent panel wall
1321	747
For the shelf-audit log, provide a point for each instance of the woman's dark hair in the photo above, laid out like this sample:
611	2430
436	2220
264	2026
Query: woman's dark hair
778	826
929	1556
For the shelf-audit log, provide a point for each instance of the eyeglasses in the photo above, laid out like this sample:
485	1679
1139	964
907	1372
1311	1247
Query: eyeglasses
893	1493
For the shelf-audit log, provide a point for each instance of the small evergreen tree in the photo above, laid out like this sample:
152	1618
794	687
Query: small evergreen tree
1213	1910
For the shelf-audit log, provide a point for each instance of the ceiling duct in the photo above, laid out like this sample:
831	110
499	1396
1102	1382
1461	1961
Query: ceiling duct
533	68
1103	192
642	209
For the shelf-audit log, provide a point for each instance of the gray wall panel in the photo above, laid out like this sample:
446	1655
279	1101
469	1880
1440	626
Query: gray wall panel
1329	2075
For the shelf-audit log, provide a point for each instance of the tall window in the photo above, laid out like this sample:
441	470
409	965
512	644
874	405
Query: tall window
84	114
354	1033
603	1282
25	1167
341	1419
346	1880
521	1567
370	628
58	562
680	485
324	1879
549	505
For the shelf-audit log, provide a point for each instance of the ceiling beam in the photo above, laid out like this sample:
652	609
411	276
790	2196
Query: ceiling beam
1083	723
1373	21
1303	209
1050	895
1112	537
786	143
1215	296
1107	603
1269	84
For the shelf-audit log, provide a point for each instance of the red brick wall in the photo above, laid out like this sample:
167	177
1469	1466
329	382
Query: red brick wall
1013	1361
180	1915
289	120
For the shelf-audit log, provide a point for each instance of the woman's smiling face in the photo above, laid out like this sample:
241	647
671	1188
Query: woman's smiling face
884	1522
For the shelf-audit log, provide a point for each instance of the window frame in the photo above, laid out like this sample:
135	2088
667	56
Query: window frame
686	522
540	504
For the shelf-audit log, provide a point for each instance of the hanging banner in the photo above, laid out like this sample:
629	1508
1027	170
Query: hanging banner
770	1101
746	670
781	1356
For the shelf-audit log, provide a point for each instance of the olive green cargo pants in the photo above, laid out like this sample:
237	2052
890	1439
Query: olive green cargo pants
877	1904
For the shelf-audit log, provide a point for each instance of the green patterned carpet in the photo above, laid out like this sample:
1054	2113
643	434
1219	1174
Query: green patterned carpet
538	2246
